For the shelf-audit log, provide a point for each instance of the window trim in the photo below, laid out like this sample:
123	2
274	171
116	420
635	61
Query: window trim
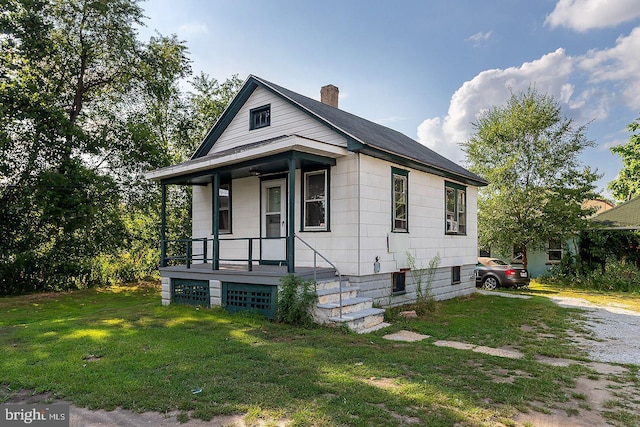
456	270
550	261
230	229
254	112
456	188
398	277
327	198
405	175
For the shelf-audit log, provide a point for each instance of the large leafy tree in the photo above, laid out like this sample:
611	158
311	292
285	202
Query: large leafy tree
75	81
529	153
627	184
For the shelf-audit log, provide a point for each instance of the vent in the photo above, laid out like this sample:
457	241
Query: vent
191	292
239	296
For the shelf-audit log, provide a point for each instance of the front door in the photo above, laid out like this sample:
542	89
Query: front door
274	221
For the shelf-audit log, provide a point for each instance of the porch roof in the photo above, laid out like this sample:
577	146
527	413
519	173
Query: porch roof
259	157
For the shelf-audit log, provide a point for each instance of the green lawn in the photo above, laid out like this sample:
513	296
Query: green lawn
120	348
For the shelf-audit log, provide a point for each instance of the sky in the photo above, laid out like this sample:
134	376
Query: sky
427	68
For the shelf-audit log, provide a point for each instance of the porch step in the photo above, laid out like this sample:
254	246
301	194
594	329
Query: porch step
362	320
326	296
358	313
349	305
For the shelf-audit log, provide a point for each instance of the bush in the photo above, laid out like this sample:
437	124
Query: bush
615	275
296	298
422	279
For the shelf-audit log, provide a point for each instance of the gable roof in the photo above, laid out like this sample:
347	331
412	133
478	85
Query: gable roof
623	216
362	135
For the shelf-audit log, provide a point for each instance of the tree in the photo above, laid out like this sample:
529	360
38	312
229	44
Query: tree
529	153
74	83
627	184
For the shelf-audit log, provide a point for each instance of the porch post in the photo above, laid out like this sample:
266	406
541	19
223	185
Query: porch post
163	227
291	262
215	220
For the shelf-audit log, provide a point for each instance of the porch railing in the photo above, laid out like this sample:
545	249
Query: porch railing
317	254
188	256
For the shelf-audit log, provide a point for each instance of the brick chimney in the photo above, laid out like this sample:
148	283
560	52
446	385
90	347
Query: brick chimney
329	95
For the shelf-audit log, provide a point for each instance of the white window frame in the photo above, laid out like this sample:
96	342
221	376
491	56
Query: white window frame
324	226
453	225
403	176
550	249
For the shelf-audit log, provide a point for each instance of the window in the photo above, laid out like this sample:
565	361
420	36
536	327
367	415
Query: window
398	282
455	274
400	197
224	210
260	117
554	251
315	200
456	209
518	255
484	251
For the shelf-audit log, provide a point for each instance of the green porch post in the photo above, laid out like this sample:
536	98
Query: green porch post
291	262
215	220
163	227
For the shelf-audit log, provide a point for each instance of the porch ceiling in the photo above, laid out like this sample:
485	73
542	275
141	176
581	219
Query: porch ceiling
262	157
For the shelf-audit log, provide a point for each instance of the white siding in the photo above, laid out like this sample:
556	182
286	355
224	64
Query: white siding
340	245
426	237
285	120
360	220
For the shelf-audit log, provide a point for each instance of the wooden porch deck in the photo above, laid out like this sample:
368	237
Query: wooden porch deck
239	273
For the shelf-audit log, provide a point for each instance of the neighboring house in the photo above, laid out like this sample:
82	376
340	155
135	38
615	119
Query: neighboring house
625	216
540	262
284	183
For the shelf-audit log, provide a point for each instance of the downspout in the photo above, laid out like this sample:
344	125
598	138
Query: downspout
215	221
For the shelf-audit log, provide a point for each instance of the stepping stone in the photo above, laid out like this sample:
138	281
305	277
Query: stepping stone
406	336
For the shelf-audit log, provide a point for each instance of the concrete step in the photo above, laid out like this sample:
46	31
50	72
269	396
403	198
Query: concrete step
326	296
349	305
361	320
331	284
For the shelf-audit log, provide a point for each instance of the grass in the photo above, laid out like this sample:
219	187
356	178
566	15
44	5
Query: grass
629	301
119	347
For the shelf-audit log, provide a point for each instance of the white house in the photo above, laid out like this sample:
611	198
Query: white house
287	184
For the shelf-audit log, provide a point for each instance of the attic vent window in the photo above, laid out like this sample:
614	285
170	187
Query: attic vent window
260	117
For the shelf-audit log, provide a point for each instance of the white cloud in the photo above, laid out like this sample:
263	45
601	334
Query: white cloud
583	15
549	74
620	65
193	28
480	37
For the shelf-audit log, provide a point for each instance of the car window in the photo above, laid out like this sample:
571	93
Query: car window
498	262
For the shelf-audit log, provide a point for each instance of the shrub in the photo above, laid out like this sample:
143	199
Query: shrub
296	298
422	279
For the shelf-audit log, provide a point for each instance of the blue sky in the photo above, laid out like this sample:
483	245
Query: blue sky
427	68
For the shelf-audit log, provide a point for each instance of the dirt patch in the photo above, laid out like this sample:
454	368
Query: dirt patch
401	419
82	417
588	400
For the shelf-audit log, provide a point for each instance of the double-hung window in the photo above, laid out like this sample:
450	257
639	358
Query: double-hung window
315	201
400	200
260	117
554	251
455	208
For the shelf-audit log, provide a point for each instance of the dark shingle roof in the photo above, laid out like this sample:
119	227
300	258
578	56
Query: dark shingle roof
625	215
362	135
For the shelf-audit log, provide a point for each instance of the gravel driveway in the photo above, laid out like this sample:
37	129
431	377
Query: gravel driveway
616	331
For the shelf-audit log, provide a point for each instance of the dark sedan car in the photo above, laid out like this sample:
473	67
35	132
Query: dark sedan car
493	272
